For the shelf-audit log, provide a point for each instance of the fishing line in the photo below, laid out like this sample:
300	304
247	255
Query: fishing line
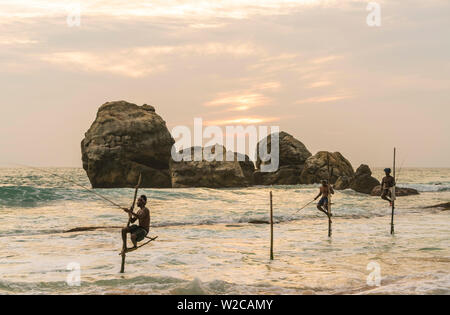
304	206
399	171
289	218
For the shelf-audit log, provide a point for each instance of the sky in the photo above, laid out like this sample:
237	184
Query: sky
314	68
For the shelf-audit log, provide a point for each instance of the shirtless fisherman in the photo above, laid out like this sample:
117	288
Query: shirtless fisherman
138	232
386	184
325	190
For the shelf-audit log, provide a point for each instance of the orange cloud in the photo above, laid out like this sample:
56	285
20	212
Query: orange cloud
142	61
323	99
241	121
239	102
325	59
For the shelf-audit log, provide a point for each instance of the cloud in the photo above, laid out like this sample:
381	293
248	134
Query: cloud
267	86
244	100
241	121
207	25
182	9
119	63
142	61
245	58
239	102
324	99
212	48
276	62
9	40
325	59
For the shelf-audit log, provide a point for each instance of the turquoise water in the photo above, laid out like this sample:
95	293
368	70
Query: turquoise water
207	245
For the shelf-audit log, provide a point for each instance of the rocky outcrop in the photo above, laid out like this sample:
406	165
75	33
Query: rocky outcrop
213	167
363	182
285	175
292	157
343	182
316	168
124	140
399	191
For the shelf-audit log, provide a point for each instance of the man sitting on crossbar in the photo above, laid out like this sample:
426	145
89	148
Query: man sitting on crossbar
138	232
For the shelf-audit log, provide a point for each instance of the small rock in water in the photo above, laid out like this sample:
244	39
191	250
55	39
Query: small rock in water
363	181
399	191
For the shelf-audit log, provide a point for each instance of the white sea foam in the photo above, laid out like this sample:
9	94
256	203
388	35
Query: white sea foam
215	241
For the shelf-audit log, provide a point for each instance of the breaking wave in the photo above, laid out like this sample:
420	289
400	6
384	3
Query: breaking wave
27	196
430	187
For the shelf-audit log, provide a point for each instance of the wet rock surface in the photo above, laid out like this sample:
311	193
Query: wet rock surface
125	140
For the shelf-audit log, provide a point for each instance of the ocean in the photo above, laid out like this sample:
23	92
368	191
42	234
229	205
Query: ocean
207	244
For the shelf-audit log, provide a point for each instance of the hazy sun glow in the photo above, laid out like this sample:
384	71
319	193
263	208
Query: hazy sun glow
241	121
239	102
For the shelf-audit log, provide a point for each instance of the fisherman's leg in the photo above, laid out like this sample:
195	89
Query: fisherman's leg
319	207
124	237
326	208
133	238
384	196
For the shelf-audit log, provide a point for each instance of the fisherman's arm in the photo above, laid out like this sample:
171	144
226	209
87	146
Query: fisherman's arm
331	190
320	194
133	214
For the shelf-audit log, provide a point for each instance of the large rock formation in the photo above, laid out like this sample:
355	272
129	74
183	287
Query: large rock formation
292	157
316	168
343	182
124	140
213	167
399	191
363	181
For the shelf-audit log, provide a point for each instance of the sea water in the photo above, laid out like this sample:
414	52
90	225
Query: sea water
207	243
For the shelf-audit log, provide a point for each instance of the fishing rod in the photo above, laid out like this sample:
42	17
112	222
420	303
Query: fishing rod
399	171
304	206
134	200
73	182
290	217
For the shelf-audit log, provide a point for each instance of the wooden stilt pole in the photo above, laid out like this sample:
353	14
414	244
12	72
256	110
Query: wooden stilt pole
393	197
123	253
122	267
329	196
271	227
329	223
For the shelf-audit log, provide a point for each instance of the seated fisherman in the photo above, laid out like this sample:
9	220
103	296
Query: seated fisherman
138	232
386	184
325	190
